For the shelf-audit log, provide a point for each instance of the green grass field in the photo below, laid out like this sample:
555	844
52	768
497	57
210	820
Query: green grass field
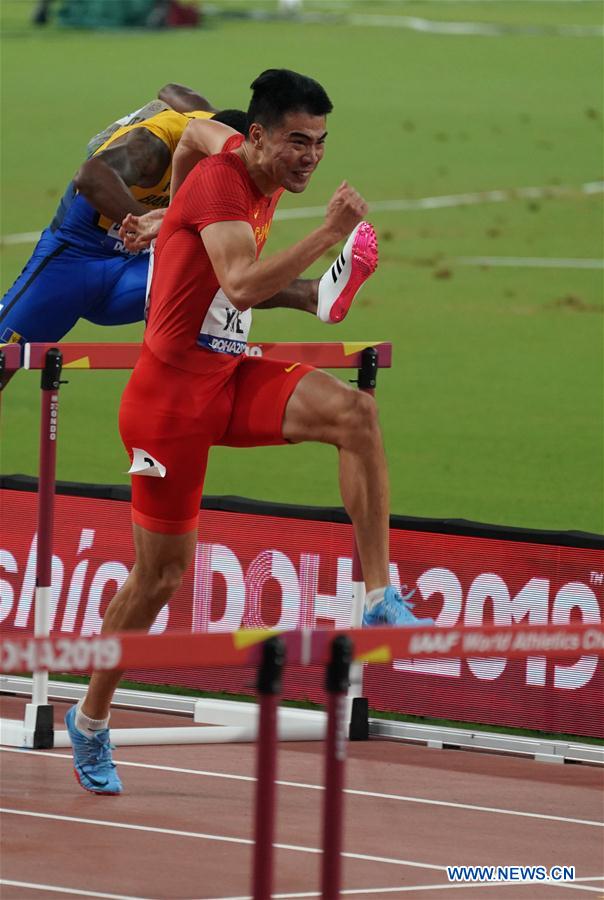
494	408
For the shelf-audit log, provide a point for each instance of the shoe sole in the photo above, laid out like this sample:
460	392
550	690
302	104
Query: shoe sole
364	263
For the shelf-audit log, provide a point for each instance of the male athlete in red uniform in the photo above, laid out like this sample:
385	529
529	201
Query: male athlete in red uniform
194	387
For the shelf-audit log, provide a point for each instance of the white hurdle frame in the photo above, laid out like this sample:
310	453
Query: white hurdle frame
219	721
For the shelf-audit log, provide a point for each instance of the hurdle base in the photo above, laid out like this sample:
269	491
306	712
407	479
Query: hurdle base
220	722
230	728
12	733
217	721
42	717
292	724
359	719
35	731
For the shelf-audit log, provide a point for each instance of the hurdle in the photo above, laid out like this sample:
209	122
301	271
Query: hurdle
223	720
268	652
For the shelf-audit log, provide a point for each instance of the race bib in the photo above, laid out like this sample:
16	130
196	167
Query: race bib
225	329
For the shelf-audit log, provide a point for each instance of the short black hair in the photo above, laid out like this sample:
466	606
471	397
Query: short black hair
277	92
234	118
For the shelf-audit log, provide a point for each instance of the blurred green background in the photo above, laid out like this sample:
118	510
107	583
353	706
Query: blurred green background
494	408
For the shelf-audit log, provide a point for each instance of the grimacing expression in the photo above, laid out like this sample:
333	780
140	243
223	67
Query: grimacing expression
292	150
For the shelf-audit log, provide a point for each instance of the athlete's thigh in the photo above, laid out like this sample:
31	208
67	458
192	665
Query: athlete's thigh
319	408
123	300
48	297
262	389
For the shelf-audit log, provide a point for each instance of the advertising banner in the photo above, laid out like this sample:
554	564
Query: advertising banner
254	569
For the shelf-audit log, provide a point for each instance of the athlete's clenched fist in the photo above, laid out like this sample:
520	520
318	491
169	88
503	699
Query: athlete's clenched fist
345	210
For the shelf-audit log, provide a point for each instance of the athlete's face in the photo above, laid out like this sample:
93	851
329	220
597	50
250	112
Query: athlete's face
291	151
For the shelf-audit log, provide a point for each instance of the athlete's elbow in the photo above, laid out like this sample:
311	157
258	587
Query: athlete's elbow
166	93
85	178
239	300
239	295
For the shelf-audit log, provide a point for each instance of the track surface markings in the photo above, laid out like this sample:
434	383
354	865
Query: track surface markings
318	787
57	889
530	262
474	198
351	892
175	832
447	886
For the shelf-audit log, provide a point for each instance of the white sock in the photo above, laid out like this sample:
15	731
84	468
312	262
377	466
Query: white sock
87	725
374	596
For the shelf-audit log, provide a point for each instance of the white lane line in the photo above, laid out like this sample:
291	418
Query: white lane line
579	887
222	838
474	198
350	892
532	262
482	29
341	16
402	798
441	202
447	886
24	237
65	890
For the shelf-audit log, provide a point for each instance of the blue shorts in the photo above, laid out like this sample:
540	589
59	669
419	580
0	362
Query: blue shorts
61	284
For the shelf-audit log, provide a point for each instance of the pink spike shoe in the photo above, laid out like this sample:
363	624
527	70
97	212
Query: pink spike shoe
343	280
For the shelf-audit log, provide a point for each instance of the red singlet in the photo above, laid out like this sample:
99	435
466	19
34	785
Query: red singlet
187	308
193	385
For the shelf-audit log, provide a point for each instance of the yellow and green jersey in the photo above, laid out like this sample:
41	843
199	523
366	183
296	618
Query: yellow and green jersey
83	226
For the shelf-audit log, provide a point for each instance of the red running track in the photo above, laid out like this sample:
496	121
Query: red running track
182	829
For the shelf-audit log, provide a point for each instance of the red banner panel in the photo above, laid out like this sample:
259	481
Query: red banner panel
256	570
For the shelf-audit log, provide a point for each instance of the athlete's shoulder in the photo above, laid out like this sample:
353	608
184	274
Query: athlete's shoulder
167	125
198	114
217	184
223	174
225	162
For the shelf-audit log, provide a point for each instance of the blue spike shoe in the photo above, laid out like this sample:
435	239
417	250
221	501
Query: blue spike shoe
93	765
393	609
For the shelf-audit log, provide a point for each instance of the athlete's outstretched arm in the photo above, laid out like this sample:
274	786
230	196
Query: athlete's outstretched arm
201	138
248	281
137	157
184	99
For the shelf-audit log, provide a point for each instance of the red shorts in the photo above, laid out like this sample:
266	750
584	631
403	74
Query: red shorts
173	417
